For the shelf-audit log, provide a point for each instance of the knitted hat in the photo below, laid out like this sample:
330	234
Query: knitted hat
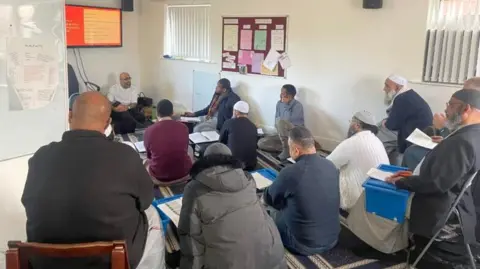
366	117
242	107
217	149
398	79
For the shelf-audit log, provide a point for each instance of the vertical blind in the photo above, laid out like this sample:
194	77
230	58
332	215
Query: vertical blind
187	32
453	39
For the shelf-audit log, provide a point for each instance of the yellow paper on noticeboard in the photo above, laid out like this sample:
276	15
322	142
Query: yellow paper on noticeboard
267	72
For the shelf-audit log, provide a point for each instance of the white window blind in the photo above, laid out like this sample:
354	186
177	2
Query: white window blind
453	39
187	32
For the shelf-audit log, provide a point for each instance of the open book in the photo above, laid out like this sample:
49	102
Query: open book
204	137
261	181
421	139
172	210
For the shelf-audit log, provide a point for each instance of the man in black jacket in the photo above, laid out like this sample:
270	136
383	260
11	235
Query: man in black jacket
219	110
442	175
240	135
87	188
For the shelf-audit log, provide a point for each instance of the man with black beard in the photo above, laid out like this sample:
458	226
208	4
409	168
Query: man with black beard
357	154
438	181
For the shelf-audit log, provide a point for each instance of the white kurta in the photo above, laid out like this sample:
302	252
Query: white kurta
124	96
354	157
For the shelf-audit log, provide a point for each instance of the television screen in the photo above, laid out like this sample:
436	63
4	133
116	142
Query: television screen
93	26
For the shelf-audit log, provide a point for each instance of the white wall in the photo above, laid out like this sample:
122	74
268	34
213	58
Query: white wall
12	214
100	64
104	65
340	52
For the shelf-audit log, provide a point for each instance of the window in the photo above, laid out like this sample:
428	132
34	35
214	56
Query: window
453	39
187	32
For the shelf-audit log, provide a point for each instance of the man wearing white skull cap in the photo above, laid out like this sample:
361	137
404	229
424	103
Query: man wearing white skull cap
357	154
406	111
240	135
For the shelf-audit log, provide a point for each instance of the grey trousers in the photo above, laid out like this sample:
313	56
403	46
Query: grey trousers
389	140
273	143
206	126
154	252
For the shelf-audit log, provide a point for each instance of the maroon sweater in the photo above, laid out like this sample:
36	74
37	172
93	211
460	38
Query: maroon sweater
166	143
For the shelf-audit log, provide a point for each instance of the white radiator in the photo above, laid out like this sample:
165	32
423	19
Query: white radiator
452	41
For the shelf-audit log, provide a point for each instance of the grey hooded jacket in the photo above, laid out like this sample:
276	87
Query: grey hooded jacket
222	222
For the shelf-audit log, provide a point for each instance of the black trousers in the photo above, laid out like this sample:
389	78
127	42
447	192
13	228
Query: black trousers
127	121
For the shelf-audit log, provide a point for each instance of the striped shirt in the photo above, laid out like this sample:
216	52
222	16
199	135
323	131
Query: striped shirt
354	157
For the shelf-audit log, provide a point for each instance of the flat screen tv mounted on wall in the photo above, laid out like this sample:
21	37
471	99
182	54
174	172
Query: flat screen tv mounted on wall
93	26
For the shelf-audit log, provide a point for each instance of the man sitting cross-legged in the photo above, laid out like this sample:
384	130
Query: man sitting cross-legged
304	199
222	222
125	113
87	188
219	110
288	114
166	142
360	152
240	135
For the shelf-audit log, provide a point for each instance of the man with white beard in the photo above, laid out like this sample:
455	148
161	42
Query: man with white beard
406	111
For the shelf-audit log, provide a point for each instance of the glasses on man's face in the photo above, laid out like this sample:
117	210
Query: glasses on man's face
452	103
126	79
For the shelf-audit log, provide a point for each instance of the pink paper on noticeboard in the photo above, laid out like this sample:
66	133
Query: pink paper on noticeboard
245	57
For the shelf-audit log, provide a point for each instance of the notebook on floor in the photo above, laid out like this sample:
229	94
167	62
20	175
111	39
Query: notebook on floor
172	210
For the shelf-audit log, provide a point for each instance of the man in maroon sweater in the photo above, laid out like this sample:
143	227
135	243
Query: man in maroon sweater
168	153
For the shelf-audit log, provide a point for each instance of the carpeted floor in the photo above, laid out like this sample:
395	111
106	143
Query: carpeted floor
340	257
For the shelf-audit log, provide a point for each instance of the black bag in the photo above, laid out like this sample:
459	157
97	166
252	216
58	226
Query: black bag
144	101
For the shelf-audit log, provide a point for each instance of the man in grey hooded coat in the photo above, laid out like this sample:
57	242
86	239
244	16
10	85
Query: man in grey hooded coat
222	222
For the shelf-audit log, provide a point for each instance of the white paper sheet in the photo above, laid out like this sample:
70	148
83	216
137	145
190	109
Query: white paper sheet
32	66
277	40
285	61
130	144
261	181
378	174
230	38
172	209
272	60
140	147
260	131
229	65
211	135
421	139
190	119
290	160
